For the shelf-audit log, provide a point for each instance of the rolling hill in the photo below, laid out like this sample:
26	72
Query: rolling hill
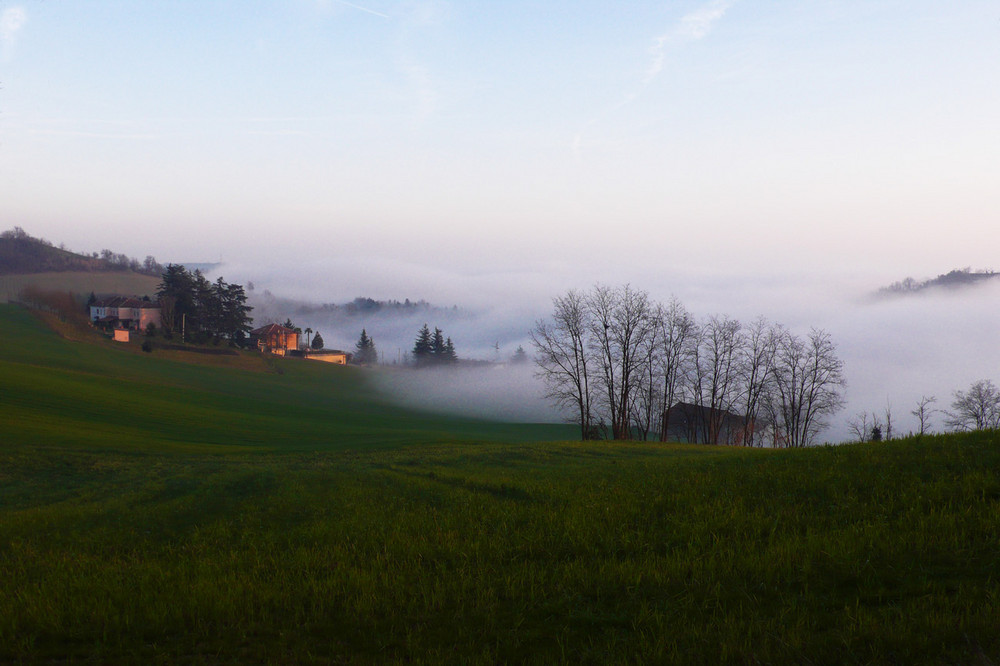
25	260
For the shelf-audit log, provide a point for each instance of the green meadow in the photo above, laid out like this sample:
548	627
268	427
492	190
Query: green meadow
233	510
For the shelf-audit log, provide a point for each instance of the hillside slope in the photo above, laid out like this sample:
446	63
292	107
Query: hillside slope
24	254
59	392
82	283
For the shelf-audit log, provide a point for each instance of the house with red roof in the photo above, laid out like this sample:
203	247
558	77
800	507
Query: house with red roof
275	339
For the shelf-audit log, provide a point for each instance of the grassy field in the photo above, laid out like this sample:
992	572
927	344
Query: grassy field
81	282
159	511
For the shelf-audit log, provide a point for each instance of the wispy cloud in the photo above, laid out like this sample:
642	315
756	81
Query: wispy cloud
697	24
362	9
12	20
420	20
692	27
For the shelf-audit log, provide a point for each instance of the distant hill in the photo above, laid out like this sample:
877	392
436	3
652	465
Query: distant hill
956	279
24	254
21	253
26	260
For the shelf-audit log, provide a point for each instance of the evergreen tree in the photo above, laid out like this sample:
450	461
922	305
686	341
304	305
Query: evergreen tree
206	311
520	356
234	315
177	288
449	352
190	301
365	352
422	347
438	347
317	342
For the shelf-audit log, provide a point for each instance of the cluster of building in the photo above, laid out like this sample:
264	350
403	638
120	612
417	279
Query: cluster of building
124	314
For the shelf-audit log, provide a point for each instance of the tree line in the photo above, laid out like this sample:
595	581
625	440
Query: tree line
202	310
619	361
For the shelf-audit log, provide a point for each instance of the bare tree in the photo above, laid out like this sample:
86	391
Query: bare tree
923	412
868	427
860	428
808	379
676	327
620	325
976	409
715	373
620	363
888	420
756	366
646	397
562	361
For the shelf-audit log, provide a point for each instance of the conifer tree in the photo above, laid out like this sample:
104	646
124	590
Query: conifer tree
449	352
365	352
204	308
520	356
317	341
438	346
422	347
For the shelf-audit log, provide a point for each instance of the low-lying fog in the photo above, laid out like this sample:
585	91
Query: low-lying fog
895	350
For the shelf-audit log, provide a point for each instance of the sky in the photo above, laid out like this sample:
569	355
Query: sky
472	137
728	151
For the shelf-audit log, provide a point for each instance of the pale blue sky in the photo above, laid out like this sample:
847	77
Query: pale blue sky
557	140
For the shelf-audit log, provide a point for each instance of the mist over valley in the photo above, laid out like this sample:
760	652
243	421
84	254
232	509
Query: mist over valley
895	351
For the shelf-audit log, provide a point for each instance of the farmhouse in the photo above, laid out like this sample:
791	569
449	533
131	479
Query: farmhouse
125	312
694	424
275	339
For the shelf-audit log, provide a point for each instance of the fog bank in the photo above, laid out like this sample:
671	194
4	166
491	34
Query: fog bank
499	392
895	350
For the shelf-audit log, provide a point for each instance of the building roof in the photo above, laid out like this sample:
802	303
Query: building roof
124	302
689	410
272	329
